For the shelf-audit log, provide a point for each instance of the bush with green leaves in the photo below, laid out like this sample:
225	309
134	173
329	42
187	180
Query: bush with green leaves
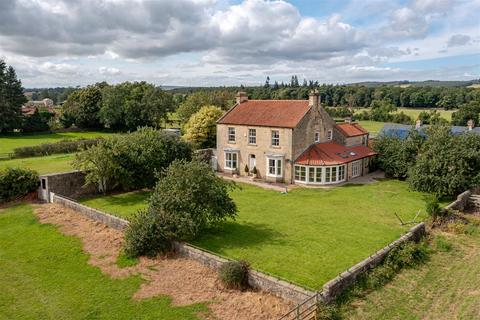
63	146
447	164
234	274
130	161
395	155
432	206
190	197
16	183
144	236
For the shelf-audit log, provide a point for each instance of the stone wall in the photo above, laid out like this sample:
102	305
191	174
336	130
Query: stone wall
347	278
461	202
256	279
69	184
94	214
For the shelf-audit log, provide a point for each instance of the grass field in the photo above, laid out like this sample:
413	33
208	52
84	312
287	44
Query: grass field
373	127
446	287
43	165
414	112
122	205
326	231
8	143
46	275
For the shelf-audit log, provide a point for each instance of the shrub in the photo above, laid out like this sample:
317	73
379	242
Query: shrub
144	237
432	206
190	197
63	146
246	169
443	244
327	312
234	274
407	255
131	160
16	183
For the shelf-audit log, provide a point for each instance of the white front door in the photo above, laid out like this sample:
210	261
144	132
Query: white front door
356	168
252	162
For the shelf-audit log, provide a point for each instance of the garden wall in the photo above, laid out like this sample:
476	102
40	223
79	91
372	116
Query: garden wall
461	202
94	214
69	184
334	287
256	279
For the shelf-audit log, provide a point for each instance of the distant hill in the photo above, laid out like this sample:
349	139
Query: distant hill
427	83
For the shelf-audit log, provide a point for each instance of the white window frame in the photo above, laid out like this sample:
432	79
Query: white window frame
322	178
317	136
330	134
275	138
229	162
356	165
277	167
252	136
231	133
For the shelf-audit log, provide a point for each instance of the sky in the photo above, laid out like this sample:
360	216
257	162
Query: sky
220	42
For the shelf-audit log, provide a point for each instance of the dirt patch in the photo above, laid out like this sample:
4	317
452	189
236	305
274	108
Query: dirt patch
185	281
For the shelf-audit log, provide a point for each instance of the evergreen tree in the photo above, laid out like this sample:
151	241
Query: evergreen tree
267	82
11	99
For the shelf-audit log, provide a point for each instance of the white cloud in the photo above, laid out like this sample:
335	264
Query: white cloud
109	71
205	42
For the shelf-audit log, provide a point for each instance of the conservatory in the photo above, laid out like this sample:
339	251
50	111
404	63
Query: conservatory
331	163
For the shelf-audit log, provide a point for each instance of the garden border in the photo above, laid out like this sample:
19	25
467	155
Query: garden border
256	279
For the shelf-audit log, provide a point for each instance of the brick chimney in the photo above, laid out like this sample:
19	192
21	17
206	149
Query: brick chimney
470	124
314	98
418	124
241	97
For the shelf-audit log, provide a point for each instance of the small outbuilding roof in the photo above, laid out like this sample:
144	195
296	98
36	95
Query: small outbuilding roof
331	153
267	113
351	129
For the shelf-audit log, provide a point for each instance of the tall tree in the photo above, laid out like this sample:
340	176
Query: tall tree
11	99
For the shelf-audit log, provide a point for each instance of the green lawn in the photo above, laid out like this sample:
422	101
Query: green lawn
122	205
371	126
46	275
8	143
414	112
43	165
307	236
446	287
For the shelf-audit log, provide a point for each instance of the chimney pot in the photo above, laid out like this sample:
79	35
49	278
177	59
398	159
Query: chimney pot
241	97
314	98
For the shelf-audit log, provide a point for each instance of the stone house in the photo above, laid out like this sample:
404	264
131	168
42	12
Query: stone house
290	141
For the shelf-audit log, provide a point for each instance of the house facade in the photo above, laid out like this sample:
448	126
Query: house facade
290	141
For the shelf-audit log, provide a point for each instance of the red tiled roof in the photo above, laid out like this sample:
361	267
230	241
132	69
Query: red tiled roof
331	153
267	113
351	129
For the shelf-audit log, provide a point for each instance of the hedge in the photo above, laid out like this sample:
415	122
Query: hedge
63	146
16	183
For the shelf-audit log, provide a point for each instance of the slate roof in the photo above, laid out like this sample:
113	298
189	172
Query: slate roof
401	130
267	113
332	153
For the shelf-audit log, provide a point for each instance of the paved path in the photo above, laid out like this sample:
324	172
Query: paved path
282	187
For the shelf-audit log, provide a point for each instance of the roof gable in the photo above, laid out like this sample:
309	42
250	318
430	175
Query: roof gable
267	113
351	129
